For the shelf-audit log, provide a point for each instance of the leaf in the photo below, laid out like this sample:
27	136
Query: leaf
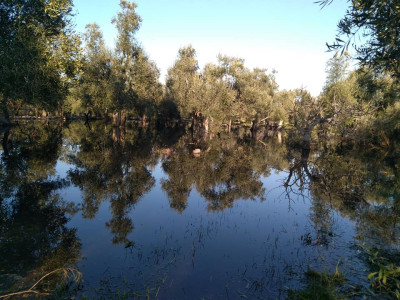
370	275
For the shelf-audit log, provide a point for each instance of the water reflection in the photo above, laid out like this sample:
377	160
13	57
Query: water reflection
111	165
303	205
34	236
358	184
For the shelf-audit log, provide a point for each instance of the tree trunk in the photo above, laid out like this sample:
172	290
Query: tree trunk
229	125
279	137
17	109
5	143
123	118
118	134
119	118
87	117
254	127
6	114
116	118
205	125
200	127
144	119
60	111
307	138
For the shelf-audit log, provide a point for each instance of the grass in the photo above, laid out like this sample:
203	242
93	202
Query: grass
320	285
385	273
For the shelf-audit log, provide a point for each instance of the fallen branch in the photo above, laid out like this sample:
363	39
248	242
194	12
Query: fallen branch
76	276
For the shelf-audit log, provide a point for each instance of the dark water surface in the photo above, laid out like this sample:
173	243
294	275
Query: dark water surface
139	214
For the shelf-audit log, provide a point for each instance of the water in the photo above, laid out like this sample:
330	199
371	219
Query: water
138	214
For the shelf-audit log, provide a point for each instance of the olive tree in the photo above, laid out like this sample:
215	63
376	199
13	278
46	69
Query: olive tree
39	53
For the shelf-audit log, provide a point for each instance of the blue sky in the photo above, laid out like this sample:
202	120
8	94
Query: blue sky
286	35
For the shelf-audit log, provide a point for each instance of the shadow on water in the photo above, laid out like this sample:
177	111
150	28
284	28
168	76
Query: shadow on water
34	236
171	215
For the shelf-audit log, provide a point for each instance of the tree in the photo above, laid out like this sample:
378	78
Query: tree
378	89
229	71
378	23
128	23
282	103
254	89
307	112
146	85
338	95
184	82
220	92
95	88
218	98
39	53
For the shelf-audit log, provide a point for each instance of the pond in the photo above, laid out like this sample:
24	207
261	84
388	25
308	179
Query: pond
140	213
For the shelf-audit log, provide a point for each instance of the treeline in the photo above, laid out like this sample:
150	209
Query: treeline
48	68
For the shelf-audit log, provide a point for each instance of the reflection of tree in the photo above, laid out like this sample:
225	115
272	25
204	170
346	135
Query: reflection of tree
112	165
34	224
230	177
34	235
179	183
380	221
299	172
360	187
31	151
128	189
228	168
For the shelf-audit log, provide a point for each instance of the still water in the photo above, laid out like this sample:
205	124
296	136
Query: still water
139	214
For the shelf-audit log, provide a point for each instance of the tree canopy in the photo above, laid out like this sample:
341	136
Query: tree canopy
377	23
39	52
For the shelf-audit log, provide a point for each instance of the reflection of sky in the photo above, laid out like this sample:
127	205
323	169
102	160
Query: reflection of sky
62	168
200	253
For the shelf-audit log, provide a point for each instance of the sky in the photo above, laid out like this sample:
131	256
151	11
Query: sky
288	36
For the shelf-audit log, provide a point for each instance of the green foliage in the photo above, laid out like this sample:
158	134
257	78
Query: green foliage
128	23
39	51
220	92
95	89
307	112
254	89
378	89
319	286
184	83
282	104
146	85
378	22
119	80
339	95
218	98
385	279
